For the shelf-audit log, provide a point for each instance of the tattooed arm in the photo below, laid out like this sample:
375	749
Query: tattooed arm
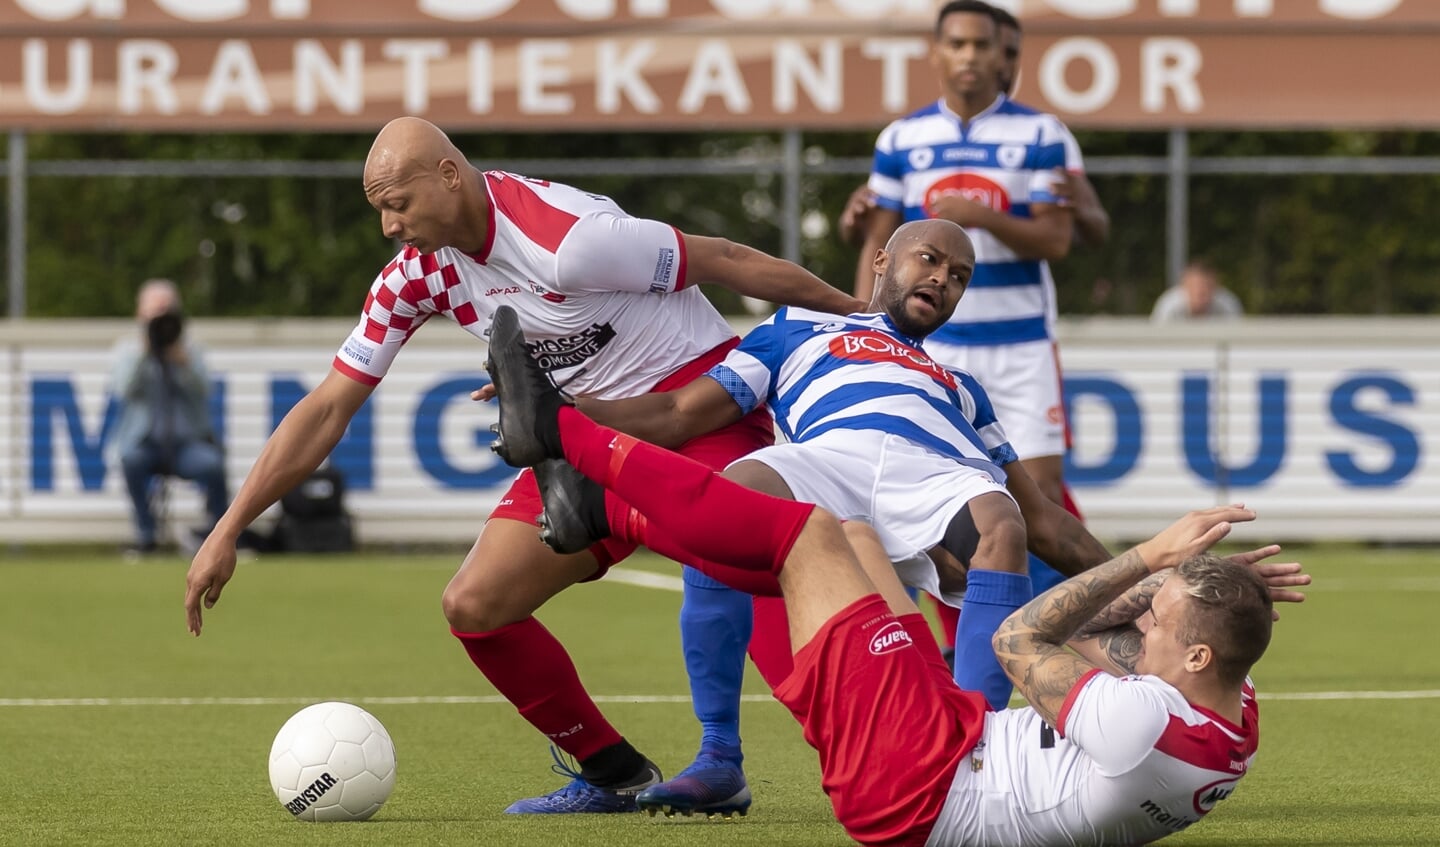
1111	640
1030	644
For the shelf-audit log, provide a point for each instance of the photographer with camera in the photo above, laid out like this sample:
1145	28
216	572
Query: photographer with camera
164	426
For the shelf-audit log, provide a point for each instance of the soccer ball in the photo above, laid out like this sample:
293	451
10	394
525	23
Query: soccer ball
332	762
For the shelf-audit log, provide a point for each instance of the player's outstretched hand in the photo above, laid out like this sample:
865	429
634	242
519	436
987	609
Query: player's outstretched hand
1191	535
211	568
1281	577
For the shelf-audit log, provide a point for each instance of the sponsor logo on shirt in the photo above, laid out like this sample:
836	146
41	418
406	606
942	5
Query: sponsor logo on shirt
500	292
1159	815
545	293
963	154
358	351
973	187
872	346
890	637
1209	795
664	267
921	158
571	351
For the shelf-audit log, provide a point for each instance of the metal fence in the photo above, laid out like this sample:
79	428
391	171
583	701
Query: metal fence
790	164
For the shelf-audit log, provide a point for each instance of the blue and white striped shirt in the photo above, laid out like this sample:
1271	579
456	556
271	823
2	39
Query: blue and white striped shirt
822	372
1002	158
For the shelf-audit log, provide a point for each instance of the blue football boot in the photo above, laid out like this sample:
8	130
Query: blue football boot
579	796
714	784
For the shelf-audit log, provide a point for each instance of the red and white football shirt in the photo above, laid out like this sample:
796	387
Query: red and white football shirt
1131	762
602	296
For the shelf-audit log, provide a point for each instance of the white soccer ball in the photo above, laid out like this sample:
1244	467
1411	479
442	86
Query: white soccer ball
332	762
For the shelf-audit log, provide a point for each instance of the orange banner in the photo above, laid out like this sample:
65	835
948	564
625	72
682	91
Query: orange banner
675	64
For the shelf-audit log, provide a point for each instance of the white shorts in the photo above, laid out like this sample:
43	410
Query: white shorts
1023	382
907	493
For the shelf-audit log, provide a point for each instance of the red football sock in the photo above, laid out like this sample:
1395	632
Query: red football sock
1070	505
627	524
553	701
686	504
949	618
770	641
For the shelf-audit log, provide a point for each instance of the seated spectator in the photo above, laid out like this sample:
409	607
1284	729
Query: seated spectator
163	391
1198	296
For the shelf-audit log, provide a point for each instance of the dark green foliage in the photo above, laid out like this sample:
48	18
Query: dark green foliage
1308	244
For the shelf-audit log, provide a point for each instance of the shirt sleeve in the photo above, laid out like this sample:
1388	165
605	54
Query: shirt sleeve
1115	720
986	422
887	174
393	311
607	251
749	371
1056	148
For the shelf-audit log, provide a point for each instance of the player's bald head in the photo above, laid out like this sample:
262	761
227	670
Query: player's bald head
407	147
948	236
427	194
921	274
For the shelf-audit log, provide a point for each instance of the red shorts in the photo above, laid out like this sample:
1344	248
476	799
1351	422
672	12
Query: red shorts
714	449
891	727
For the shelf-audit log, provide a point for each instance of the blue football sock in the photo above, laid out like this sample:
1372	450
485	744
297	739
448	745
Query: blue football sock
990	597
1042	576
715	623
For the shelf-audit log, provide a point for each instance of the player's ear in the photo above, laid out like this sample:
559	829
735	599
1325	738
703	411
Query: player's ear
1198	657
882	261
449	174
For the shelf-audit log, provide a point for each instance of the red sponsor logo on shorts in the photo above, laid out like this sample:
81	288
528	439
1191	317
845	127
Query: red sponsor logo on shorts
871	346
891	637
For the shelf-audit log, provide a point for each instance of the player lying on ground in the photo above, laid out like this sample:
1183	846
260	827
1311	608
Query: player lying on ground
906	756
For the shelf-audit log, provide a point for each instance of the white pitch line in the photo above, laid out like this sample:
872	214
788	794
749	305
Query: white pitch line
1350	695
464	700
645	579
493	699
665	582
1358	584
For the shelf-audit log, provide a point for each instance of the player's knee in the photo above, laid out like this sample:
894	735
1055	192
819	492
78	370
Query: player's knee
468	609
822	536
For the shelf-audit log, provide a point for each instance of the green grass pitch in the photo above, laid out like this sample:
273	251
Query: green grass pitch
1342	768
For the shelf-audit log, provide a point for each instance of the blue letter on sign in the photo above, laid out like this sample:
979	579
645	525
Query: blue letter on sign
431	452
1404	446
1196	436
354	456
49	397
1129	430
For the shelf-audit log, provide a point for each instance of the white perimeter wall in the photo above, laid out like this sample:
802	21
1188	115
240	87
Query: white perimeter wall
1325	426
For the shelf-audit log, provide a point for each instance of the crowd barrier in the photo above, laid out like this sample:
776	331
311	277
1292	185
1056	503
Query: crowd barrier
1322	425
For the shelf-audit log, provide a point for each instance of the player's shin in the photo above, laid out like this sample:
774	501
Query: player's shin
554	702
990	597
715	625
